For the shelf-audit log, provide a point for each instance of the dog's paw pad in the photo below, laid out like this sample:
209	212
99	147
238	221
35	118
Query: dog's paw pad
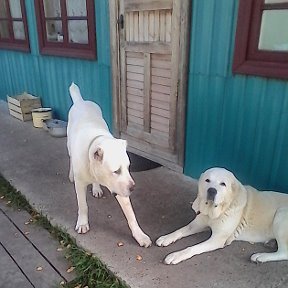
172	258
97	193
82	229
144	241
163	241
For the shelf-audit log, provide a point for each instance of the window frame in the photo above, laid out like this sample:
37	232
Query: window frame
248	59
12	43
65	48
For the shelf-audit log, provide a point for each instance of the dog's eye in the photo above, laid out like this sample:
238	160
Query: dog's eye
118	172
223	184
207	180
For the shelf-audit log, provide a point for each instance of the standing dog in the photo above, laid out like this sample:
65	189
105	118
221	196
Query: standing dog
233	212
97	158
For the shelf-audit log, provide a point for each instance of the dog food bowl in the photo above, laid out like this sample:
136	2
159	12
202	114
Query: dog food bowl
40	114
55	127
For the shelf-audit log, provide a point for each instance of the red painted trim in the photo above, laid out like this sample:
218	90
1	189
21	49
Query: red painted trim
66	49
248	59
12	43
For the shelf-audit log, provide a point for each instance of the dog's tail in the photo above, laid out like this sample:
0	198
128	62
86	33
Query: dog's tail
75	93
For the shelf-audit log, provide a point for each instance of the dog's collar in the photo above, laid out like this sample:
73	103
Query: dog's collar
96	138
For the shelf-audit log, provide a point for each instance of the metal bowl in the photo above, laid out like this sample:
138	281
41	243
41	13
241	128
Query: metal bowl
55	127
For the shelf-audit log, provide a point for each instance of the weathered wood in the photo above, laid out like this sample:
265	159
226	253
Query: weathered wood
135	99
150	78
161	72
20	106
160	112
135	84
161	97
135	106
114	48
161	80
135	91
154	47
135	69
134	119
140	5
135	76
160	104
147	92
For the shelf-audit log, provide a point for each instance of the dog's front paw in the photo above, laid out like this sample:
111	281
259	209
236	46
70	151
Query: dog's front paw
143	240
174	258
97	192
82	228
261	257
164	241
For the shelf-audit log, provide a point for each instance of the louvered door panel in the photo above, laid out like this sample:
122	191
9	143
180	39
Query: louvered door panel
149	58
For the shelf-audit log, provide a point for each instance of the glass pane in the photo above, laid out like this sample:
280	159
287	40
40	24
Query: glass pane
15	8
274	32
76	7
54	31
18	28
78	31
52	8
3	10
275	1
4	30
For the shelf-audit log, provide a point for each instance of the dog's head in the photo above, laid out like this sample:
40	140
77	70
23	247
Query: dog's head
217	188
109	164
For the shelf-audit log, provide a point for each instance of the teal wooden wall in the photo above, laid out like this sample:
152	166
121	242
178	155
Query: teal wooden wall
233	121
49	77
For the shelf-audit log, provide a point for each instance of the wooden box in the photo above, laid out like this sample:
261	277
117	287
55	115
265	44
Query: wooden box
20	106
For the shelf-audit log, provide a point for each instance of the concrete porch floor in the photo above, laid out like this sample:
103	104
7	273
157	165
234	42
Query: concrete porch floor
37	165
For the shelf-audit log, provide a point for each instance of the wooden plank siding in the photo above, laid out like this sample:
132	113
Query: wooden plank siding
148	47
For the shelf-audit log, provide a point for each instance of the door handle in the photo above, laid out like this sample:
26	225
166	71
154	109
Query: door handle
121	21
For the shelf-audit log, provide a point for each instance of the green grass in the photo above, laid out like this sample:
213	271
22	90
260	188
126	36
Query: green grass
89	269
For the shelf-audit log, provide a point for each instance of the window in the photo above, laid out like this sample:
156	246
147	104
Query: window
66	27
261	46
13	25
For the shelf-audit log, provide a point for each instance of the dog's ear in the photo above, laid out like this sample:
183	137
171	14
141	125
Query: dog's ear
98	154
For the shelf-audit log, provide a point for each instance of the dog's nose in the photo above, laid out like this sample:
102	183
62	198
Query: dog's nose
131	187
211	193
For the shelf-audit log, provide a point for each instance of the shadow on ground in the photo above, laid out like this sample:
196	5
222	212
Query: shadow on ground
139	163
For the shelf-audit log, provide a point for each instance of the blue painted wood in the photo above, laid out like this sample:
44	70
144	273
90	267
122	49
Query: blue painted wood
49	77
233	121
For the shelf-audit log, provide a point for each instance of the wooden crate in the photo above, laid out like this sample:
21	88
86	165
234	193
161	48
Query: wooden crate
20	106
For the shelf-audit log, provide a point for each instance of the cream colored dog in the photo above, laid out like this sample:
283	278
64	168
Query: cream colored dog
233	212
96	157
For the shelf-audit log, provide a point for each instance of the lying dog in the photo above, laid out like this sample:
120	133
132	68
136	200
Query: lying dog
97	158
233	212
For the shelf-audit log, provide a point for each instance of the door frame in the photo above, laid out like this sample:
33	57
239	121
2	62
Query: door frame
184	35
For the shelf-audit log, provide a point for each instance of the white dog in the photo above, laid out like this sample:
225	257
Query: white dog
96	157
233	212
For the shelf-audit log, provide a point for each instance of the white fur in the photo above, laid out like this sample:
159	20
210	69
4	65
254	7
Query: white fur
236	213
97	158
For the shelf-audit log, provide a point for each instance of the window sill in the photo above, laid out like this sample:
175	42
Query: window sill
264	69
69	52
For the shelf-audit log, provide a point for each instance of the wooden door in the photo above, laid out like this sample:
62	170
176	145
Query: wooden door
152	62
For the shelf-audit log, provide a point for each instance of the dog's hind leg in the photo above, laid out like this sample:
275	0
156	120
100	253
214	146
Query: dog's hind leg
96	190
137	232
82	225
281	235
71	173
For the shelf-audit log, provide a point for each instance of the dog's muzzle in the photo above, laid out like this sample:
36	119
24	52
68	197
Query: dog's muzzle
211	193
